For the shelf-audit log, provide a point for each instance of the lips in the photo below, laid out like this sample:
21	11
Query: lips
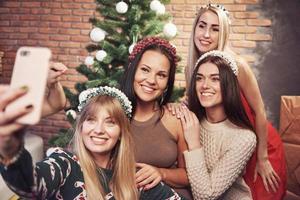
147	89
207	94
205	42
99	140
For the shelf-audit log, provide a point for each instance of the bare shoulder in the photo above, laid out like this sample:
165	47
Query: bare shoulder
171	122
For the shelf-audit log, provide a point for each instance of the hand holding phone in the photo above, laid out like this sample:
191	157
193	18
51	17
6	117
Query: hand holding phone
30	70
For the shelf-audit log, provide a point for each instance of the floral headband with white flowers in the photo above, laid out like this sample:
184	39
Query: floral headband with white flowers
221	54
87	94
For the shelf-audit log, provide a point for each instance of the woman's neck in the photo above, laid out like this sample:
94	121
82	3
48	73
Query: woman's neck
102	160
215	115
145	110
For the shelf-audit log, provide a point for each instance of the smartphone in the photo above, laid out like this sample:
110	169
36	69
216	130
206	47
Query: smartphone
31	70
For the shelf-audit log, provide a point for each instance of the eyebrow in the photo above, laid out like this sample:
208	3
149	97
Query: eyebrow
199	74
206	23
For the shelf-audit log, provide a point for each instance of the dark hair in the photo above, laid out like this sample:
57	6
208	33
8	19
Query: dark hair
230	91
127	81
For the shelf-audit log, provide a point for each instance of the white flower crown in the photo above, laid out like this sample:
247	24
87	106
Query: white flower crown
87	94
221	54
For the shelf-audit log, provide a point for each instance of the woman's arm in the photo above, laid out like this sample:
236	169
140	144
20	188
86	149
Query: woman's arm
177	177
55	100
211	184
249	86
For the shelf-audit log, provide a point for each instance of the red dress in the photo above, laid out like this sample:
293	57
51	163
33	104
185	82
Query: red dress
276	158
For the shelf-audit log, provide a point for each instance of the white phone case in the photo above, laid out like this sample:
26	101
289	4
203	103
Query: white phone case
31	70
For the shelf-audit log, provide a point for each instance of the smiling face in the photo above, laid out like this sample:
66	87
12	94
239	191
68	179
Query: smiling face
151	76
206	34
100	133
208	86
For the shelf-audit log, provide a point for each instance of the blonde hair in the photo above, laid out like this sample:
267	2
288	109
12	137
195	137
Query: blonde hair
193	53
122	159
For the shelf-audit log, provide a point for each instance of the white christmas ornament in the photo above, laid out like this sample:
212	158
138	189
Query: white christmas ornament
161	9
170	30
97	34
100	55
72	113
154	5
130	49
121	7
89	60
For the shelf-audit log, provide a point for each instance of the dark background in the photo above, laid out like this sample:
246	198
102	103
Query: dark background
278	72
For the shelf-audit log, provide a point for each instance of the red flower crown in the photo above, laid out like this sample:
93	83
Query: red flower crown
144	43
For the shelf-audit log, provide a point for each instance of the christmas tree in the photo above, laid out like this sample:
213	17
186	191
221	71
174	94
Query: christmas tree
123	24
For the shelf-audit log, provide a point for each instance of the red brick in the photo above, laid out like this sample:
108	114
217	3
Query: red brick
81	25
238	22
4	23
61	12
83	12
27	42
28	30
259	37
48	43
246	15
233	36
37	11
38	36
51	5
89	6
31	4
71	19
59	37
236	7
50	18
11	4
69	44
9	29
84	1
244	29
80	38
69	31
60	24
71	5
259	22
20	10
48	30
19	23
4	10
30	17
18	36
247	1
246	44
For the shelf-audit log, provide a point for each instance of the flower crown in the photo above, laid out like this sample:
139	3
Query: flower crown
218	6
146	42
85	95
221	54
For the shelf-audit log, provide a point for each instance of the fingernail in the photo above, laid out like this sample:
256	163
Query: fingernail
24	88
29	107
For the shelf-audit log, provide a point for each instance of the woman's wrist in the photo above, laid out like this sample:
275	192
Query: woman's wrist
11	148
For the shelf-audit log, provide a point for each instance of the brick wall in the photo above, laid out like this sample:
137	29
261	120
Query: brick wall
62	25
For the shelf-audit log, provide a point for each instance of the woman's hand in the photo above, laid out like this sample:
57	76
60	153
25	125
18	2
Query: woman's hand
8	124
147	176
191	128
55	72
268	175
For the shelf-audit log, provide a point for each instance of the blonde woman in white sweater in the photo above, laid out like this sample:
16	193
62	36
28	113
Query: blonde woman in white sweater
222	143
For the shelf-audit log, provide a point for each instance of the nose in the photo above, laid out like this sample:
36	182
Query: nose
205	84
151	78
99	128
207	33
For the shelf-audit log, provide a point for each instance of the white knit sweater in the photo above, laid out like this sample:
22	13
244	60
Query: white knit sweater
215	169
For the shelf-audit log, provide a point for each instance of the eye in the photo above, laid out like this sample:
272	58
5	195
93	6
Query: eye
201	25
110	122
215	79
162	75
215	29
144	69
199	78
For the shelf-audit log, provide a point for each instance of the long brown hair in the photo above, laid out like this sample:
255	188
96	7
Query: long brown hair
122	159
230	90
